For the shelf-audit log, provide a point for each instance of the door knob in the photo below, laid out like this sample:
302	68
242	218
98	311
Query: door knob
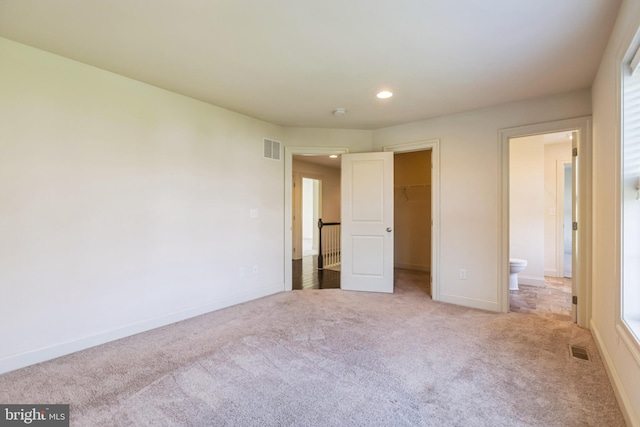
388	229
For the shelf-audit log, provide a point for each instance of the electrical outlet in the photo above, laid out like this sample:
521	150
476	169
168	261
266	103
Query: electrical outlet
463	274
254	269
241	272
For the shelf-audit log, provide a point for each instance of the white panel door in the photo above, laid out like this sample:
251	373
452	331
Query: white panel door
367	222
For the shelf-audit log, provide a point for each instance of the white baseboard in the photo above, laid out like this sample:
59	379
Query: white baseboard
42	354
531	281
618	389
551	272
469	302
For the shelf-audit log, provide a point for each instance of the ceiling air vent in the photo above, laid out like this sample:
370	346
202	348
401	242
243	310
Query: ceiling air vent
271	149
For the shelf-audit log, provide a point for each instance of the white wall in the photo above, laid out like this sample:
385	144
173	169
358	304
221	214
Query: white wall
357	141
124	207
330	187
469	172
621	354
526	207
554	154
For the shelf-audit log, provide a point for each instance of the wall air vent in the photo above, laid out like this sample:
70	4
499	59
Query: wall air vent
271	149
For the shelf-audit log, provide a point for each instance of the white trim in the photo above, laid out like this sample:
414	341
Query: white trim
288	173
469	302
623	399
434	146
581	271
31	357
635	61
531	281
623	57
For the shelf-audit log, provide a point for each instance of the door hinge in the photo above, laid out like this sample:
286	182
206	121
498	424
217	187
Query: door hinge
575	152
575	226
574	299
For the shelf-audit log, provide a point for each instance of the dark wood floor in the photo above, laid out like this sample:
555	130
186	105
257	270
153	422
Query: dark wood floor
307	276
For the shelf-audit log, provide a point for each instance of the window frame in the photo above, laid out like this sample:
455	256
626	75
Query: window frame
628	325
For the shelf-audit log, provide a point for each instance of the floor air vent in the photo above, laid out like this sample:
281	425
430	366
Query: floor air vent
271	149
579	352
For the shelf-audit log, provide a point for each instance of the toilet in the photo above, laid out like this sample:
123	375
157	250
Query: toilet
515	266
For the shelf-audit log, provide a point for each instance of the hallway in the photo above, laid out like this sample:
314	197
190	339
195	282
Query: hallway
307	276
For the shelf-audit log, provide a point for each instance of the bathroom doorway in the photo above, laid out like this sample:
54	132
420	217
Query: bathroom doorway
540	224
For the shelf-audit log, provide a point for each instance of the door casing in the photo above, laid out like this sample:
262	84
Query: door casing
289	152
581	273
434	146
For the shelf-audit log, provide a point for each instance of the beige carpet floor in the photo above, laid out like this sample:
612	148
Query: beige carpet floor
333	358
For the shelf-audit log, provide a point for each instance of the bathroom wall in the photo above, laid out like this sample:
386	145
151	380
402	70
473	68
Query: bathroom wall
527	208
412	202
555	153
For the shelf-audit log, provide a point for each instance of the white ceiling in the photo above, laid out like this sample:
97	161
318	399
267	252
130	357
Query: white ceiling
292	62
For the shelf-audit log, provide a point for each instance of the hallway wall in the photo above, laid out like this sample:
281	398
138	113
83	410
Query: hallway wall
330	187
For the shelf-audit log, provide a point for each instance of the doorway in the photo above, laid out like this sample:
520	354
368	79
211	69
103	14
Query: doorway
566	240
432	145
581	254
412	218
315	197
417	197
538	208
311	212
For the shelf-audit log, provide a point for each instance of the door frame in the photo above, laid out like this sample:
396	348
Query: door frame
297	236
581	272
561	206
434	146
289	152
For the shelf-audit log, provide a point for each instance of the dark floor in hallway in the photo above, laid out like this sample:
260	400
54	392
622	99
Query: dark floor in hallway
307	276
552	300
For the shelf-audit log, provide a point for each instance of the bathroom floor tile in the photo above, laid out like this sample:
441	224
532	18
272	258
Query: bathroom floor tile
552	300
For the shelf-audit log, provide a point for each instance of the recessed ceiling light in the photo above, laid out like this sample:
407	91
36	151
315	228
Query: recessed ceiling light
334	156
384	94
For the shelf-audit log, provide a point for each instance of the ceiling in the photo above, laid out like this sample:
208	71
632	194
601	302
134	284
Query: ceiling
293	62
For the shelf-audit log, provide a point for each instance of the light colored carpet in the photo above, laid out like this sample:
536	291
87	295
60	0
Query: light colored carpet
333	358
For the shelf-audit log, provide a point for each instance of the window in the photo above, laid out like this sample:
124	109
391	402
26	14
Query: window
631	194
